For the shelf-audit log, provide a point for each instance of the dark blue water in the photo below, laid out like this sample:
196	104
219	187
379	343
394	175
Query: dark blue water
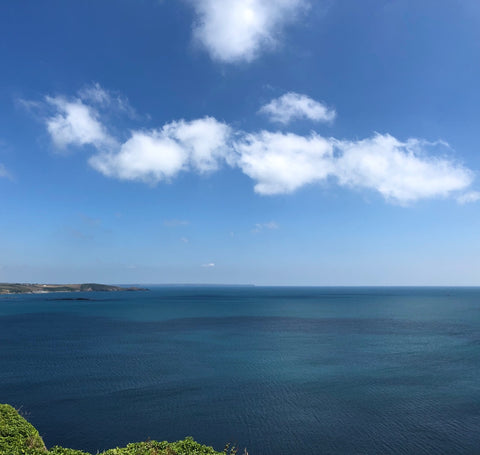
277	370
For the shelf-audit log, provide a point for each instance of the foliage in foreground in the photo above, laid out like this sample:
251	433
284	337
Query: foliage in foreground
19	437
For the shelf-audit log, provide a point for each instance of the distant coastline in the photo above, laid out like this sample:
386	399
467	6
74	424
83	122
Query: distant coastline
35	288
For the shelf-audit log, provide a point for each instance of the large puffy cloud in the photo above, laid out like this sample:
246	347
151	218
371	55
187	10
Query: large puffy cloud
400	171
205	140
156	155
75	123
238	30
282	163
147	156
278	162
292	106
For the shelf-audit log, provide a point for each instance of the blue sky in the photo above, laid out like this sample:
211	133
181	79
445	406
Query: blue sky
287	142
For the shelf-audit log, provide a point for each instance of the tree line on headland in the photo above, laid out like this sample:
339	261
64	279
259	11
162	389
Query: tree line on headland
33	288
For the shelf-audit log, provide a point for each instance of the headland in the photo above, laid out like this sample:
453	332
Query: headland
35	288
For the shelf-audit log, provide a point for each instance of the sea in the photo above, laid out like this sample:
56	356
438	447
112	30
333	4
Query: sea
275	370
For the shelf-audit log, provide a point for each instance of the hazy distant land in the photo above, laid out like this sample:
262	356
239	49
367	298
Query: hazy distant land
30	288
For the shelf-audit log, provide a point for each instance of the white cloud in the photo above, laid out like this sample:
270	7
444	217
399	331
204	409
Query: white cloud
469	197
75	123
282	163
259	227
96	95
156	155
146	156
176	223
3	171
205	140
238	30
293	106
209	265
401	171
279	163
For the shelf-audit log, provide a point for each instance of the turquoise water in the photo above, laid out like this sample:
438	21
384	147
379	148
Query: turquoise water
276	370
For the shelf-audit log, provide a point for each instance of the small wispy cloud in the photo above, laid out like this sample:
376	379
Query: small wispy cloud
184	240
259	227
29	105
86	228
90	221
4	172
176	223
96	95
209	265
468	198
293	106
78	234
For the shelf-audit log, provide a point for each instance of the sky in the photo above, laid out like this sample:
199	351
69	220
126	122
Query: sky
267	142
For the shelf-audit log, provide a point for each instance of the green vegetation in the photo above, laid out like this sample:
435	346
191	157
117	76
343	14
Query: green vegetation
30	288
19	437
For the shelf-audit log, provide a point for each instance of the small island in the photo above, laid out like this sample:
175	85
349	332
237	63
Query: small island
30	288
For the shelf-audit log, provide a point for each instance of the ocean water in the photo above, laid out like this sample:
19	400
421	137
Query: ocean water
280	371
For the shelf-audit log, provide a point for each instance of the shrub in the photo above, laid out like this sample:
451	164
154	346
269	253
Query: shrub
19	437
